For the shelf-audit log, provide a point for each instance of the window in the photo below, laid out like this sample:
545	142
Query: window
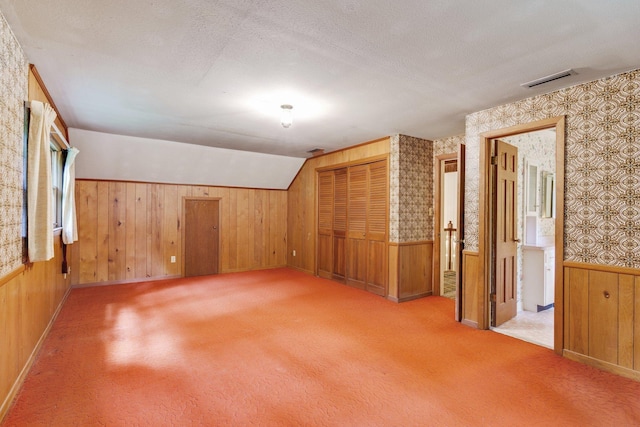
57	167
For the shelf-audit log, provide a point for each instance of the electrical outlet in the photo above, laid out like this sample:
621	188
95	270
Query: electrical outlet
294	252
173	259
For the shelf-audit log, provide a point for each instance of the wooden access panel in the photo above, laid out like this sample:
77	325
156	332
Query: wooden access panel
201	228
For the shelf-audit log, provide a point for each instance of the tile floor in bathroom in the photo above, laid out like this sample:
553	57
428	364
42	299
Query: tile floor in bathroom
533	327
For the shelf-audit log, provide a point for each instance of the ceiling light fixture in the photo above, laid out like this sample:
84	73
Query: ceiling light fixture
286	115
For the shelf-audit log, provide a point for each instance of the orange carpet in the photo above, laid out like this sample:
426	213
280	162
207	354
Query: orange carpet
283	348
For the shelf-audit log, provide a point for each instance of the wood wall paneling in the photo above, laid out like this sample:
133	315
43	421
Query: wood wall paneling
413	270
130	231
30	297
636	325
29	302
625	320
603	316
470	276
578	310
602	306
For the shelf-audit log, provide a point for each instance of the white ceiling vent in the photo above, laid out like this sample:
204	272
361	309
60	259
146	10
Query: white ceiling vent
547	79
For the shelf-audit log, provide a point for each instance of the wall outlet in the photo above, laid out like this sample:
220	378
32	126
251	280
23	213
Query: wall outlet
173	259
294	252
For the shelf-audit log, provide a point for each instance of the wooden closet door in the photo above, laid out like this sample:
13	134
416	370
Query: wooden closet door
357	226
339	224
376	235
325	224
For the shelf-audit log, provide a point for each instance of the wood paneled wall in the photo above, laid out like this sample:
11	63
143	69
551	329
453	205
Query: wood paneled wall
301	229
129	231
470	296
30	297
29	301
602	305
410	270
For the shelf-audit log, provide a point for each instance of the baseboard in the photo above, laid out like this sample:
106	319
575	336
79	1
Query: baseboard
302	270
8	401
393	299
125	282
416	296
469	323
602	365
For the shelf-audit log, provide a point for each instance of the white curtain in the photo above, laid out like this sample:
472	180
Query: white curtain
39	187
69	225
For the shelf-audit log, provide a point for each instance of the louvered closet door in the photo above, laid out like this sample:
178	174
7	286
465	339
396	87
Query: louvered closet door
339	224
376	235
325	224
357	226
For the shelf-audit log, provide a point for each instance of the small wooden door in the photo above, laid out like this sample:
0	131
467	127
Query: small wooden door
201	231
504	295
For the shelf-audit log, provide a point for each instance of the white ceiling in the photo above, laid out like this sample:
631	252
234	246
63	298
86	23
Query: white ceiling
215	72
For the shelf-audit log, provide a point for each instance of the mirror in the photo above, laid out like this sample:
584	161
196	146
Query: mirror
531	189
548	195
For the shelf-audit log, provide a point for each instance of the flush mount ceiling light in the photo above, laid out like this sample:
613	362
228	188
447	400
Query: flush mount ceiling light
286	115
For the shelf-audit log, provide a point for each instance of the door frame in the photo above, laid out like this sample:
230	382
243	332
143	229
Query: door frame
437	223
484	221
183	229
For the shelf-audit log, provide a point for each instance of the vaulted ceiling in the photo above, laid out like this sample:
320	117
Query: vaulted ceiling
216	72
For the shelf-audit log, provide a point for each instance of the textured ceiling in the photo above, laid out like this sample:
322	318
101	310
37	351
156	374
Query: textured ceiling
215	72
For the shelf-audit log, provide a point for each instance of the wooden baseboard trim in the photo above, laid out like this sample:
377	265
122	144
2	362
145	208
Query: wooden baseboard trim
416	296
469	323
125	282
8	401
602	365
393	299
301	270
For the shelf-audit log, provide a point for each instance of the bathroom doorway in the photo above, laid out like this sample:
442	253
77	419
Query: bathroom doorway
535	309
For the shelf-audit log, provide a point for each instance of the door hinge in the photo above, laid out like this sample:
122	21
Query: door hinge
492	297
494	160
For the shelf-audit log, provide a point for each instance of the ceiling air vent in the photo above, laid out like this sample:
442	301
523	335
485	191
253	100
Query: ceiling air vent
547	79
316	151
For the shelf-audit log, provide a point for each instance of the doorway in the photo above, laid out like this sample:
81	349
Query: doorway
201	236
446	226
518	238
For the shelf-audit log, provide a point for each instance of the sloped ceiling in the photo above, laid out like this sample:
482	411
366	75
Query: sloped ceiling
215	72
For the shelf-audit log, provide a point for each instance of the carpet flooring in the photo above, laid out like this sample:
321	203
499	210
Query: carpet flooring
283	348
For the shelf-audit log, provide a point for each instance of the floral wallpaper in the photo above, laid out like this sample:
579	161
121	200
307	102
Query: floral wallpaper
13	93
447	145
410	189
602	165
